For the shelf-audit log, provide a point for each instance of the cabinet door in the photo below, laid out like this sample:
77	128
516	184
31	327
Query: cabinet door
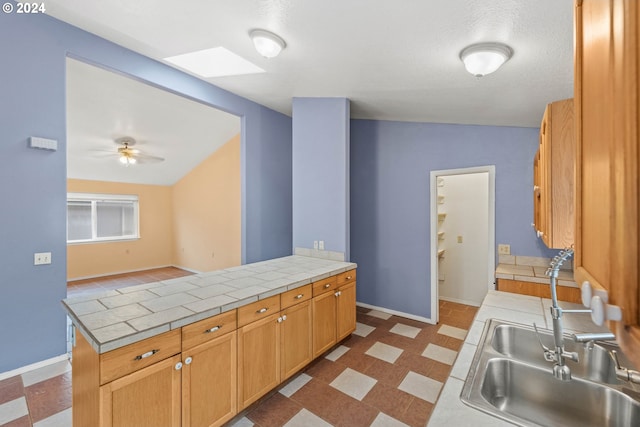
148	397
595	118
209	378
608	113
296	351
554	208
536	193
324	322
258	359
346	310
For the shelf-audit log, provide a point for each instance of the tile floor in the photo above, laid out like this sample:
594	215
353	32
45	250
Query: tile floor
388	373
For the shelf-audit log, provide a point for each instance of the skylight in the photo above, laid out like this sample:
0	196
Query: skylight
214	62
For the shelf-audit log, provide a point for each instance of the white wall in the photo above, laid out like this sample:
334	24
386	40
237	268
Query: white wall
464	266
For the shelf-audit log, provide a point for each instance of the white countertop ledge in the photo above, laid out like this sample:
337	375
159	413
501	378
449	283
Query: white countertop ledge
113	319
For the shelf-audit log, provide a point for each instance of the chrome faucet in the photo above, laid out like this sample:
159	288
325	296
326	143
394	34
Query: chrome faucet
558	355
624	374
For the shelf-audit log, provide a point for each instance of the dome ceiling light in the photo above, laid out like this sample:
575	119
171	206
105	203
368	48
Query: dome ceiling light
485	58
266	43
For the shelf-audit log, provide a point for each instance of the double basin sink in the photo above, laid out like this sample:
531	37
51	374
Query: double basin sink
510	379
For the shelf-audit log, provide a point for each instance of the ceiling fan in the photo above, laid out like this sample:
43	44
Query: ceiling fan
131	156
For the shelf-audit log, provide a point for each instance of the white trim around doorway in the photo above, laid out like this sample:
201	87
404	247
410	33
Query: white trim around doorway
491	259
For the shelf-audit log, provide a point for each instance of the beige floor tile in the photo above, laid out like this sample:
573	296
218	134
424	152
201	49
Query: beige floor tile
353	383
46	372
13	409
363	330
384	420
306	418
420	386
337	353
440	354
294	385
452	331
405	330
385	352
379	314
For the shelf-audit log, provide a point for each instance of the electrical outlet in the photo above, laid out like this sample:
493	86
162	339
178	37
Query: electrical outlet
321	245
504	249
315	244
42	258
459	239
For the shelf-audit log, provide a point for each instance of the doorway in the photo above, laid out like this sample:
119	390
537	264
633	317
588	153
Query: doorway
463	235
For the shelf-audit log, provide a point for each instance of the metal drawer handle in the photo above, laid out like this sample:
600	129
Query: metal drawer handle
215	328
299	296
338	293
145	355
348	277
188	361
327	285
262	310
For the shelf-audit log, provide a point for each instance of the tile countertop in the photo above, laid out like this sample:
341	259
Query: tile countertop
533	273
449	409
113	319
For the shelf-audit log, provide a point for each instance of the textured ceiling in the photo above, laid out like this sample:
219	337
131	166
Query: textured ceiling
395	60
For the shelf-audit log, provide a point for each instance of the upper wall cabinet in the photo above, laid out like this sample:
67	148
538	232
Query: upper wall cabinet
606	106
553	169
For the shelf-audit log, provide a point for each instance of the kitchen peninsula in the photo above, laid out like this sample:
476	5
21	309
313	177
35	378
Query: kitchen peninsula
149	354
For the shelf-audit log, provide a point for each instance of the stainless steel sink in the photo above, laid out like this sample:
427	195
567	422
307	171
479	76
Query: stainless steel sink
521	343
510	379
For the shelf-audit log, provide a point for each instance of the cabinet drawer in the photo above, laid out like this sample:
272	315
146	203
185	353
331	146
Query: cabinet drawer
257	310
125	360
347	277
294	296
324	285
207	329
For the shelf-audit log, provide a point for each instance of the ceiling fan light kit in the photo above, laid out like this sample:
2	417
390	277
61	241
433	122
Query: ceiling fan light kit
485	58
130	156
266	43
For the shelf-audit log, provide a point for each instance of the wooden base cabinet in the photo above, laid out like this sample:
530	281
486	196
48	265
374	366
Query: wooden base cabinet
209	378
334	311
148	397
345	311
296	339
194	388
258	359
324	322
203	374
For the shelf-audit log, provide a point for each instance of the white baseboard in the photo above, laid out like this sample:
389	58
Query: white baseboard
397	313
37	365
461	301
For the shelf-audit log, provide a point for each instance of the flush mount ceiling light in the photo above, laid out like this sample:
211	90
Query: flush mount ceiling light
266	43
485	58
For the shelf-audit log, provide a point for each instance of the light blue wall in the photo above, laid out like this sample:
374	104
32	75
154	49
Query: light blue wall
33	182
321	173
390	167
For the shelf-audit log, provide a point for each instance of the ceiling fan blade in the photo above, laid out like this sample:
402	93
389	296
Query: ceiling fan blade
146	158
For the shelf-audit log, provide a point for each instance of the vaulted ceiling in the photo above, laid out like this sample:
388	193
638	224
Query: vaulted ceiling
395	60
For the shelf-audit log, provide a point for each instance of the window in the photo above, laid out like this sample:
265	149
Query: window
101	217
